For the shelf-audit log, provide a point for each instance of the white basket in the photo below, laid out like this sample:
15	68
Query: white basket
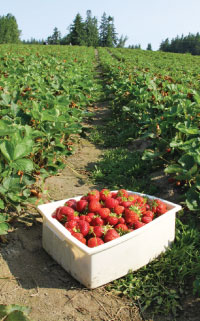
97	266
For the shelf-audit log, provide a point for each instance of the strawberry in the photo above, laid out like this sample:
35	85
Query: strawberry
98	231
113	194
95	241
103	212
105	193
121	220
64	211
94	206
71	203
79	237
149	213
132	214
81	205
93	195
146	219
123	227
119	209
126	203
110	235
97	221
111	202
112	219
138	224
83	226
71	224
122	193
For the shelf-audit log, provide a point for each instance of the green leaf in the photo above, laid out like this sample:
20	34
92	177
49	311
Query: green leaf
149	154
173	169
13	151
193	199
4	227
6	99
187	130
17	316
6	128
9	309
1	204
50	115
23	164
187	161
3	217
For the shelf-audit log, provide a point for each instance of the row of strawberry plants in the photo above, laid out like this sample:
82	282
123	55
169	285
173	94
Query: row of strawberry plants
161	286
162	108
44	92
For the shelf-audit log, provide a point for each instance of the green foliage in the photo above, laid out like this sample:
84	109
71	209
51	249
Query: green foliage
9	32
14	312
183	44
43	101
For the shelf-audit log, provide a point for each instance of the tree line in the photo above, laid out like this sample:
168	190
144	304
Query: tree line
183	44
87	33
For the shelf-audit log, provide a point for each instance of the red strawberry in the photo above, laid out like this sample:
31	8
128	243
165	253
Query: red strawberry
122	192
112	219
81	205
83	226
161	208
149	213
94	241
132	214
119	209
93	195
79	237
97	221
98	231
111	202
146	219
138	224
104	212
111	235
64	211
121	220
113	194
71	203
94	206
105	193
71	224
126	203
122	227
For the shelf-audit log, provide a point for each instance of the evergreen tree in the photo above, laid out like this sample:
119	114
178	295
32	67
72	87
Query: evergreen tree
77	34
108	35
9	32
149	46
103	31
121	41
55	38
91	29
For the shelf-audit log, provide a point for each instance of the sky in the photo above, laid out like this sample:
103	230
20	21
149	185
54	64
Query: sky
142	21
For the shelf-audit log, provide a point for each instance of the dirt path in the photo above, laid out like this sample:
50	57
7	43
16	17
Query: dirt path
29	276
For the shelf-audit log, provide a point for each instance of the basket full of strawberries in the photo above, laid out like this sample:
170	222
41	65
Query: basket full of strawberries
103	235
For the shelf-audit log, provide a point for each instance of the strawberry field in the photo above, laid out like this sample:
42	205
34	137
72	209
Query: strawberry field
154	102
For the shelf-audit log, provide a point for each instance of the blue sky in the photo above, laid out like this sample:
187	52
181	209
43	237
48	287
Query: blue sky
143	21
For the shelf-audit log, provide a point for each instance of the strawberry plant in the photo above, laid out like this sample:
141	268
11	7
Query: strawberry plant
43	97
